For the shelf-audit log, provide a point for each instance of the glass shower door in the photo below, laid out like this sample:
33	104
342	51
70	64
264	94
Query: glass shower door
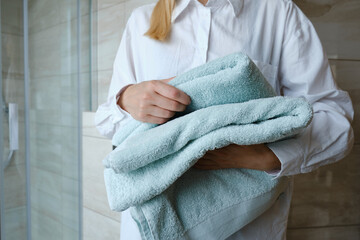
13	165
45	86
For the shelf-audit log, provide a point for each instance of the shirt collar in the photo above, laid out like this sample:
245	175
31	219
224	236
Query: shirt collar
182	4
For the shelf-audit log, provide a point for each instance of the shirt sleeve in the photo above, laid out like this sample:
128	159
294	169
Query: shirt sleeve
109	116
304	71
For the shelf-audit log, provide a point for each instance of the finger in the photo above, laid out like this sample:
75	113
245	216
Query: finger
159	112
153	119
167	79
172	92
168	104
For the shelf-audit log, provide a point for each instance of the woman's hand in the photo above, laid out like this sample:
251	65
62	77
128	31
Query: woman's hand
153	101
258	157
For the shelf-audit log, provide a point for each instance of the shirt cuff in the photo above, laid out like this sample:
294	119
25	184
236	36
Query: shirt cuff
290	155
119	113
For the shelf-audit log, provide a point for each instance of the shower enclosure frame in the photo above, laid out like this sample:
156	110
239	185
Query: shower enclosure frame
1	144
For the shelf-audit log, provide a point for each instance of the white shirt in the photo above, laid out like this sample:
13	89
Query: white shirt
281	41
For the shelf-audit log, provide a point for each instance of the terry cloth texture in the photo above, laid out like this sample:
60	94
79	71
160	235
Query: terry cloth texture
150	169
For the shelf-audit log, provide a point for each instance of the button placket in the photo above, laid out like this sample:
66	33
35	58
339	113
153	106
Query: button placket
203	34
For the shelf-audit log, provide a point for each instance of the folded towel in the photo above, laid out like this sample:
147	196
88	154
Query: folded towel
207	204
150	170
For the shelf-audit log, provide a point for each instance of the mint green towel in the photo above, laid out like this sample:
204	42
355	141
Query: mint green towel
150	170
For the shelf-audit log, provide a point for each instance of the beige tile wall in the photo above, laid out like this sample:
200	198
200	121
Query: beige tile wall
99	221
326	203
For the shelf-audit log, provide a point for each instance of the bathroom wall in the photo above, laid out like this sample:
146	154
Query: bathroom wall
99	221
326	203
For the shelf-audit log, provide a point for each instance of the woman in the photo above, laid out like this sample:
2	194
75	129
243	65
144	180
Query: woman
164	39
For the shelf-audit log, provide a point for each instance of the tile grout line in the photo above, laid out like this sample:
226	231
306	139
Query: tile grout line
91	136
111	5
330	226
95	211
344	59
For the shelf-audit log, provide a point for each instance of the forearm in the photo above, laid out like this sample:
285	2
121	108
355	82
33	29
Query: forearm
258	157
263	159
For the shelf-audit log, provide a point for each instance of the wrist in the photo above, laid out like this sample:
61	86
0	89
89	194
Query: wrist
273	161
120	97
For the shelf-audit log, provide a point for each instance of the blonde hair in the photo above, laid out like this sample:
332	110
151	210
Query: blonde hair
160	21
